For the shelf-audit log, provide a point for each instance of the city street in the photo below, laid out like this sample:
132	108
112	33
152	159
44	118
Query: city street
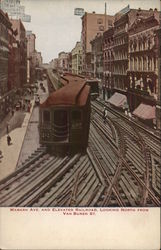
17	129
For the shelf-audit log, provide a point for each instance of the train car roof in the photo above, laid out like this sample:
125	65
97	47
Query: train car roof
73	94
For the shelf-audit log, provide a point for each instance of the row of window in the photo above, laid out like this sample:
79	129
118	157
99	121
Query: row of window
61	116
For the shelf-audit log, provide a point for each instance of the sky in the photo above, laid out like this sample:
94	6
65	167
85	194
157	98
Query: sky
58	29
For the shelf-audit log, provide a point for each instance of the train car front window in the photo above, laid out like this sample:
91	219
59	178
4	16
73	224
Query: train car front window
46	116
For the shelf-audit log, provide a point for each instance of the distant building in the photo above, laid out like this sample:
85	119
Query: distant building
69	61
34	58
39	59
30	50
30	42
63	62
77	59
54	64
92	24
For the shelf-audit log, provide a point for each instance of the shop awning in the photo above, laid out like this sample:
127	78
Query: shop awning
118	100
145	112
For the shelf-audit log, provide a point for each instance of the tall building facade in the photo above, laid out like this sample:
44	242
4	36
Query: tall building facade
92	24
143	60
97	57
108	62
77	59
30	50
5	26
22	40
122	25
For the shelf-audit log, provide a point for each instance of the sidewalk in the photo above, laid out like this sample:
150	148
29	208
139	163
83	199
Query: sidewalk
11	153
31	140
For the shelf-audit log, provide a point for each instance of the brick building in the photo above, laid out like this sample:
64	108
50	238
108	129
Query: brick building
22	40
92	24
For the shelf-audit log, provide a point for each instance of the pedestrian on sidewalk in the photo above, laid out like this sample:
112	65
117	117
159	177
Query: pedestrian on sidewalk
8	140
29	107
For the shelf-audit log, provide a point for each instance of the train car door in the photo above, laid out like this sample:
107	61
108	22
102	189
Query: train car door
61	125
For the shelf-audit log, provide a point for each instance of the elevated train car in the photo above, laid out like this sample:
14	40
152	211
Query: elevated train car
69	77
65	118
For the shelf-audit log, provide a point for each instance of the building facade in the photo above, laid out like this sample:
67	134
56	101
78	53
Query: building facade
77	59
63	64
92	24
5	26
143	60
22	40
97	57
108	63
122	24
30	50
54	64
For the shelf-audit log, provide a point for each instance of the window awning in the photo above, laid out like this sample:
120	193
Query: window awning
118	100
145	112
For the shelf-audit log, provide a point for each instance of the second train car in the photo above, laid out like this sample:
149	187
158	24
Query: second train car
94	88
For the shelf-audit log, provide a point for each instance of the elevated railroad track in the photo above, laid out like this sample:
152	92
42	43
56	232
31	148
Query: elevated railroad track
121	168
